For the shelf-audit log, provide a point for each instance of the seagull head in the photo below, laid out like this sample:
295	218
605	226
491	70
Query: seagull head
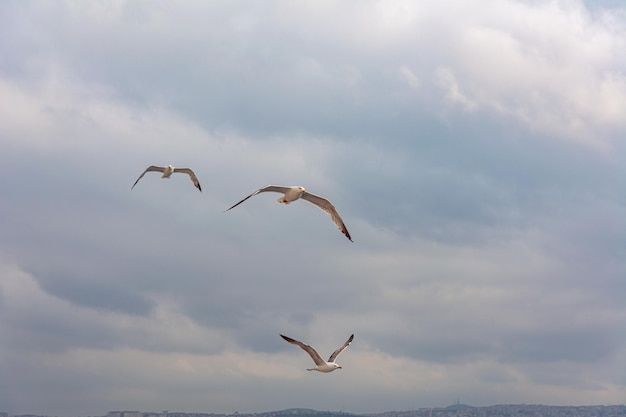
302	190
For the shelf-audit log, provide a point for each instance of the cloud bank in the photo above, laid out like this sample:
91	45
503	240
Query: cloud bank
475	152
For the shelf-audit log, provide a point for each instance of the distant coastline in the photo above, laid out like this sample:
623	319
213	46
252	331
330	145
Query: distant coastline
455	410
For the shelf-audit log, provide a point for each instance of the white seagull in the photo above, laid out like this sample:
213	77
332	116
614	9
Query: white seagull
168	171
320	364
293	193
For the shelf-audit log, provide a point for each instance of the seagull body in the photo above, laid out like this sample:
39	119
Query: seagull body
320	364
293	193
168	171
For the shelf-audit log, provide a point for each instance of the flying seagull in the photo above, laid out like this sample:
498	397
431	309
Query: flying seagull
320	364
293	193
168	171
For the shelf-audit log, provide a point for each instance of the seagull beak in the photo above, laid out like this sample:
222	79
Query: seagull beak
340	367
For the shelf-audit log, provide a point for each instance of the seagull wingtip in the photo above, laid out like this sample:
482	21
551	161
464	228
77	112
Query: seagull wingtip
287	338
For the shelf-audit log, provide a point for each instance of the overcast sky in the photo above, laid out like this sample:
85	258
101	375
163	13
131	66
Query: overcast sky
476	151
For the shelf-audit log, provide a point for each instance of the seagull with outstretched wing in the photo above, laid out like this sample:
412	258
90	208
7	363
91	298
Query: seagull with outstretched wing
168	171
291	194
320	364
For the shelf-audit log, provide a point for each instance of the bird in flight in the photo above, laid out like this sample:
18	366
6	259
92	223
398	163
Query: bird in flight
291	194
168	171
320	364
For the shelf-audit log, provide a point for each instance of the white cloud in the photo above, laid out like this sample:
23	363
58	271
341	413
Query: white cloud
545	65
453	93
409	77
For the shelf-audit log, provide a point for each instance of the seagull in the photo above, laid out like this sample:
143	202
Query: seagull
168	171
320	364
293	193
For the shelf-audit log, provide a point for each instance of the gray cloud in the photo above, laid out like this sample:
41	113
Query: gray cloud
475	152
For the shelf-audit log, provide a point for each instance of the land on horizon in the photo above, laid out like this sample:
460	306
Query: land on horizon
454	410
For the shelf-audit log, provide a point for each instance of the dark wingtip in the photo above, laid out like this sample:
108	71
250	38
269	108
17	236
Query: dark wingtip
288	339
233	206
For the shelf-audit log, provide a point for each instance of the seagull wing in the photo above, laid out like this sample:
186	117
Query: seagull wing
341	349
149	169
191	174
328	207
309	349
275	188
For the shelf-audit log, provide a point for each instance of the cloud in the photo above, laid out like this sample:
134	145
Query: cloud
475	152
546	65
550	67
454	95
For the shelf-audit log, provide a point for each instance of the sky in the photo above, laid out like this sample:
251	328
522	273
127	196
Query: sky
476	151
